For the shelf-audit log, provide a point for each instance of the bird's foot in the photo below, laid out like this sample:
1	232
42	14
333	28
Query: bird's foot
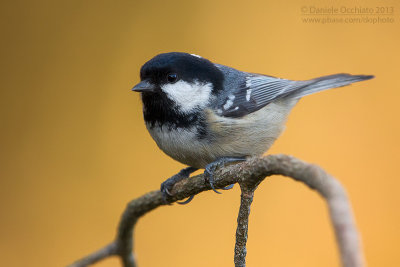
221	162
167	185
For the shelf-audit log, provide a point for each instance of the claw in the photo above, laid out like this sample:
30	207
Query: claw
167	192
210	177
167	185
186	201
228	187
215	190
165	200
210	169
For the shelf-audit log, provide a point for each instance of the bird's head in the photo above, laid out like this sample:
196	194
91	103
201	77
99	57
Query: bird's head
185	79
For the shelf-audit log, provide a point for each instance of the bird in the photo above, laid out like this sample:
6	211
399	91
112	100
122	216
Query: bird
207	115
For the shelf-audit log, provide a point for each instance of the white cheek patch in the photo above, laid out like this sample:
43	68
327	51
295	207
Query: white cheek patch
188	96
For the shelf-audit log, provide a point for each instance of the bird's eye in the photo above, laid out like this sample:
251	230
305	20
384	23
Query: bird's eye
172	77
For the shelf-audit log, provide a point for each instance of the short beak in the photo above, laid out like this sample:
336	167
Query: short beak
144	86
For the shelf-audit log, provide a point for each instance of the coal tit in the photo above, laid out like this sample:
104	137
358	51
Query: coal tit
205	115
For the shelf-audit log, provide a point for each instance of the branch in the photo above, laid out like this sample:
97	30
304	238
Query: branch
249	175
246	198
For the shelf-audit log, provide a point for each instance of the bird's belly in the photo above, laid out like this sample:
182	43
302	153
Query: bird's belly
186	147
182	144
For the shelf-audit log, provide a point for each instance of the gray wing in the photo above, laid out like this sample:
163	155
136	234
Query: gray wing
255	91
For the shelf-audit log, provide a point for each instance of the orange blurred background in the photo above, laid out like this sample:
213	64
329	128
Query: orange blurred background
74	149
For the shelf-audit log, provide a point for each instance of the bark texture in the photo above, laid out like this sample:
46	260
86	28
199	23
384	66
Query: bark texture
249	175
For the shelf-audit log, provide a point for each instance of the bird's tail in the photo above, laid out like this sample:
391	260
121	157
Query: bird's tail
326	82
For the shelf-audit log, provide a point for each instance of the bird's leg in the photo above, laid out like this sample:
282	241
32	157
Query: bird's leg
167	185
221	162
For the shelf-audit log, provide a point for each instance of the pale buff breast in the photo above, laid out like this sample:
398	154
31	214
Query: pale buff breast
250	135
